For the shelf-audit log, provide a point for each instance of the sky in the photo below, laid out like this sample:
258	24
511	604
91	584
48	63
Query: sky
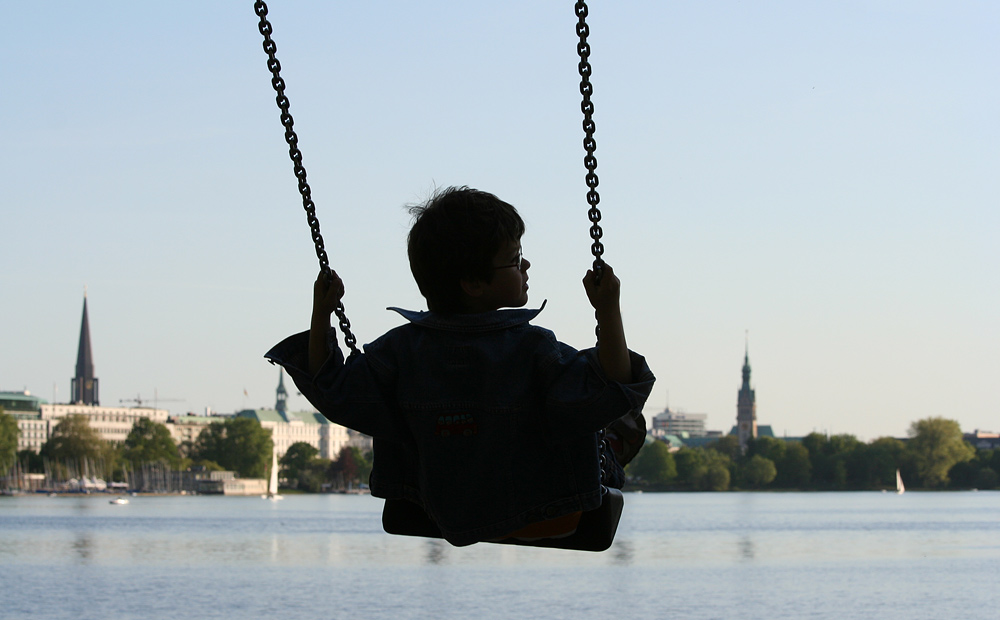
815	181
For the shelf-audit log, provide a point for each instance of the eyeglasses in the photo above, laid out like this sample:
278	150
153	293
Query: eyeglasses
517	262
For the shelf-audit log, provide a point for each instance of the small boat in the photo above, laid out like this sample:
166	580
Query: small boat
900	489
118	500
272	483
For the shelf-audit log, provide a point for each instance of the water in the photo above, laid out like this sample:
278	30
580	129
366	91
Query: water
694	556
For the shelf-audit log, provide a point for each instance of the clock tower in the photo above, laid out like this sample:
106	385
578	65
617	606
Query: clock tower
281	402
746	406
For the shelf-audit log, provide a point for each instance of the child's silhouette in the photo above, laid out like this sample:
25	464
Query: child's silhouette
485	421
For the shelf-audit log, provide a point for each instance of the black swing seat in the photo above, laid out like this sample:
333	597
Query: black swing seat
595	532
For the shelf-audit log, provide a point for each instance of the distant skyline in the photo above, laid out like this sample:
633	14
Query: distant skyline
823	176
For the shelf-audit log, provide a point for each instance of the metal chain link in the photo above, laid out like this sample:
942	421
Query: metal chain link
589	143
593	198
260	8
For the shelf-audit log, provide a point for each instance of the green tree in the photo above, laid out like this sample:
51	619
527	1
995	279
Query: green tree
296	460
716	476
703	469
73	440
979	473
790	458
8	441
111	462
794	468
874	465
365	462
936	445
759	471
150	442
986	478
728	445
768	447
352	467
303	469
314	476
31	461
828	458
237	444
207	465
343	469
654	464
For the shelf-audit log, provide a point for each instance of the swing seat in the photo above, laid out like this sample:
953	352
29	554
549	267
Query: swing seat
595	532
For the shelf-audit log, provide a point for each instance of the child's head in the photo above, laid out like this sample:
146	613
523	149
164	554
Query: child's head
456	236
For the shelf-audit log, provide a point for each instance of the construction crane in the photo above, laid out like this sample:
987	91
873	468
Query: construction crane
139	400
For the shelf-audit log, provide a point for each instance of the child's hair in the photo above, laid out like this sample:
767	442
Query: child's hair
455	235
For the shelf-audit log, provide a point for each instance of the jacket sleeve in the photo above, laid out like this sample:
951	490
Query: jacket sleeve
580	397
348	392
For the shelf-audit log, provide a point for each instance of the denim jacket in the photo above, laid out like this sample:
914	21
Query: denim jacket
487	422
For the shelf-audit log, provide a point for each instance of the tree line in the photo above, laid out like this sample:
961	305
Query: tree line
935	456
235	444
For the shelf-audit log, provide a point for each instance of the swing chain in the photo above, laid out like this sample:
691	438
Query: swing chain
270	48
593	198
589	143
602	457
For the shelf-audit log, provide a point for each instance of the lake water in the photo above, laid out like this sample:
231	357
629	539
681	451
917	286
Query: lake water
693	556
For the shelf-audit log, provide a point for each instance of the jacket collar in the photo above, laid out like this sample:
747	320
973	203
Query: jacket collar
480	322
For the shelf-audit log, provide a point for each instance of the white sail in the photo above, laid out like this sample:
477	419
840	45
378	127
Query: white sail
272	483
899	483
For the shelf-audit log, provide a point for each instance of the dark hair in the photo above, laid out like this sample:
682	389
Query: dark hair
455	236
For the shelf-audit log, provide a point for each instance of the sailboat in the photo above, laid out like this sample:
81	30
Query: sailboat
900	489
272	483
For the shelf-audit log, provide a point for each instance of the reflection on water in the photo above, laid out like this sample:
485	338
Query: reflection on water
683	555
437	551
82	546
746	548
622	553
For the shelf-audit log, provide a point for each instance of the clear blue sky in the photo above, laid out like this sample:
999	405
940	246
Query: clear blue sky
822	175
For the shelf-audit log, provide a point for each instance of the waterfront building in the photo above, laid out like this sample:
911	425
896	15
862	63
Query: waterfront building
302	426
185	428
36	419
683	439
983	440
677	422
24	407
111	423
155	478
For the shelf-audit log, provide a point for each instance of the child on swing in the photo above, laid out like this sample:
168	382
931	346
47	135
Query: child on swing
486	422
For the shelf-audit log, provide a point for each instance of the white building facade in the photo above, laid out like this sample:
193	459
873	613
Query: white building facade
311	428
111	423
679	423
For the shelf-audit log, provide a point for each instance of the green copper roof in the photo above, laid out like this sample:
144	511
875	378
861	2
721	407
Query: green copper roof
272	415
19	401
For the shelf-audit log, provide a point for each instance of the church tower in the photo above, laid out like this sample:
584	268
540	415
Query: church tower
746	406
84	385
281	404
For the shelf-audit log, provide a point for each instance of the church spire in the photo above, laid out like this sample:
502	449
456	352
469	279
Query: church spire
281	404
84	384
746	364
746	405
